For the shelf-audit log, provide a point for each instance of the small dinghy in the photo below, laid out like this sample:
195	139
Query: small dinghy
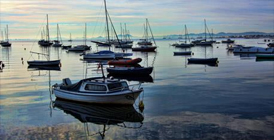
130	70
97	90
183	53
125	61
202	60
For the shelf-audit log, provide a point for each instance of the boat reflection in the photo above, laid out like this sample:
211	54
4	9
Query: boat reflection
106	115
206	64
53	68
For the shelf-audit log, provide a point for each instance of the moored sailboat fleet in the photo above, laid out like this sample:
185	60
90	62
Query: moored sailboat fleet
114	91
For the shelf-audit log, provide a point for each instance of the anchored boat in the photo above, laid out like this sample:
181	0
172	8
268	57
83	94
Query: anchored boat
97	90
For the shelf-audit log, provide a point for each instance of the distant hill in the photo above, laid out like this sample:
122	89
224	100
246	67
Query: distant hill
173	36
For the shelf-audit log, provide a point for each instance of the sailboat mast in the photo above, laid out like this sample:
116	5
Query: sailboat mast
7	33
85	35
48	28
57	33
185	35
48	36
205	29
151	32
106	12
212	34
2	35
126	34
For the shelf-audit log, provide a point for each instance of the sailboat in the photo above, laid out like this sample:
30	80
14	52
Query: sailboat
106	54
84	47
45	42
185	44
204	42
47	62
207	61
70	40
125	42
145	45
58	42
6	43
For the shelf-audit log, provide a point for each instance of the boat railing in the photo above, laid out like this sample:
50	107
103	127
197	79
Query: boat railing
119	89
135	86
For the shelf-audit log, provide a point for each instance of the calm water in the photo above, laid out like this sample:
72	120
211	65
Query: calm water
232	101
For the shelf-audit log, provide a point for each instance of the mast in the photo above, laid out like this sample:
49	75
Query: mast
151	32
85	34
185	34
7	33
205	29
48	36
57	33
48	39
126	35
212	35
121	31
106	12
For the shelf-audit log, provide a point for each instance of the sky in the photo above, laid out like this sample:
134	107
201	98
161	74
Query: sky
26	18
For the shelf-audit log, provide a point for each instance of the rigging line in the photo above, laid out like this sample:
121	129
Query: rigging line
97	19
40	30
151	32
114	29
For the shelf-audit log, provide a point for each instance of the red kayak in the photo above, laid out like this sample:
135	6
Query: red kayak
125	62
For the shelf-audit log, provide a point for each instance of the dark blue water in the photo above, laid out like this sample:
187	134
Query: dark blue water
234	100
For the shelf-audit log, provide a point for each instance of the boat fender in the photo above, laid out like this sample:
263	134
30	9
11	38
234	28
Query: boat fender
22	59
141	105
60	64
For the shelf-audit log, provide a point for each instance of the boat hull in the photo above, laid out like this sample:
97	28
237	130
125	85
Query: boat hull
5	44
183	53
44	63
125	62
130	71
144	49
265	56
203	60
123	97
184	45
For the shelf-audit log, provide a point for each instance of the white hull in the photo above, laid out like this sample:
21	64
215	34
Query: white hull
123	97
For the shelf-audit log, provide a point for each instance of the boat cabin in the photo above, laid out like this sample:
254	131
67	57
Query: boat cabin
95	85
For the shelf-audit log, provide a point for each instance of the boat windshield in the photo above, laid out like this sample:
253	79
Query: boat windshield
117	86
92	87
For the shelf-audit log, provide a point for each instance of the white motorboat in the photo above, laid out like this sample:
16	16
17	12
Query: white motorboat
97	90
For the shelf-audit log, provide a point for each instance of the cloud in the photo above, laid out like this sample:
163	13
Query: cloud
164	16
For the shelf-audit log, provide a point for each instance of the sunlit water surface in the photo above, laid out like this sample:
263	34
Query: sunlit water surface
234	100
